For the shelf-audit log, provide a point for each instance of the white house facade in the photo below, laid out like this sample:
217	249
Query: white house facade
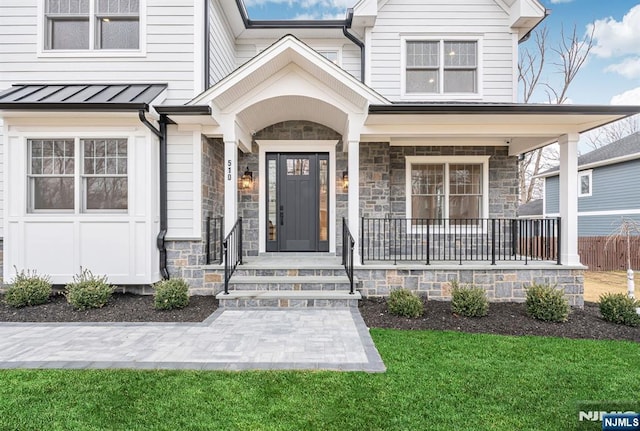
139	136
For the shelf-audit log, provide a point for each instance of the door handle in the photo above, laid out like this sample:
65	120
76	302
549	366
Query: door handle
281	215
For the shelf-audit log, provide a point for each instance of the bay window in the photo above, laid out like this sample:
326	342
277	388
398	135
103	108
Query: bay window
99	185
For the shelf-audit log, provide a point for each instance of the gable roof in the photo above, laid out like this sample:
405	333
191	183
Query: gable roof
96	97
627	148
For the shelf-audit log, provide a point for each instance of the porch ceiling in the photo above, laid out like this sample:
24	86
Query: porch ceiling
284	108
521	127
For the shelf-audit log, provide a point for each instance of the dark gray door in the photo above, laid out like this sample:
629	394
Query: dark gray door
297	216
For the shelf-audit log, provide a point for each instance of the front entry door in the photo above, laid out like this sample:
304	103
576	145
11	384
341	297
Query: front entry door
297	202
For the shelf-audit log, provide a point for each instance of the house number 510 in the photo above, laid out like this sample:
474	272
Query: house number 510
229	164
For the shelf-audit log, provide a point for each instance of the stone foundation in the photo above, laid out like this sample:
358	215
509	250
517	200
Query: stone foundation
501	284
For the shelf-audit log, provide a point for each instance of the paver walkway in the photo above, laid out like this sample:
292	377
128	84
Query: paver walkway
333	339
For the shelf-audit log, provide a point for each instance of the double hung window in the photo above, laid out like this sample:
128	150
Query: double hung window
92	24
56	177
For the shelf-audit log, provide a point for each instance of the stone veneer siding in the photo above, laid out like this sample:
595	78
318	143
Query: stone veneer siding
501	284
248	200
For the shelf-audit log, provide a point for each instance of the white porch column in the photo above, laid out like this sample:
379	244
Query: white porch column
569	198
354	196
230	185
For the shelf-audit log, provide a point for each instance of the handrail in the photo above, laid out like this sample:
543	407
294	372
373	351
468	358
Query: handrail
459	240
232	246
213	246
347	252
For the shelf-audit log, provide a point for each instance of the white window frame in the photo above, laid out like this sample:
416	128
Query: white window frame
589	175
446	160
337	50
441	39
93	50
79	203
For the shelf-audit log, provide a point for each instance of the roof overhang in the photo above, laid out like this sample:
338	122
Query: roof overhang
521	127
187	114
81	97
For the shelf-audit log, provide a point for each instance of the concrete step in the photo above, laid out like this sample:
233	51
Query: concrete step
283	299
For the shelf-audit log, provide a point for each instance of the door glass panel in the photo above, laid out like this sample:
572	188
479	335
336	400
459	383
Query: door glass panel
324	200
297	166
271	204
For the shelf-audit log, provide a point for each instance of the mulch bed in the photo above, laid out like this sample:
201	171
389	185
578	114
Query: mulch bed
123	307
503	318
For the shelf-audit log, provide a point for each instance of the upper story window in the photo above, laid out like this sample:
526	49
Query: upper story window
92	24
438	67
331	55
584	183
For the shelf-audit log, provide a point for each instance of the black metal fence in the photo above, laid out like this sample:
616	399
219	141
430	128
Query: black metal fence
461	240
347	252
232	245
214	233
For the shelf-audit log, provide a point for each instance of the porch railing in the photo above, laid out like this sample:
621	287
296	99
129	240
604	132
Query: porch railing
460	240
214	234
347	252
232	245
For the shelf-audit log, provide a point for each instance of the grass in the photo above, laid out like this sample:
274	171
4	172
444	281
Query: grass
598	282
435	380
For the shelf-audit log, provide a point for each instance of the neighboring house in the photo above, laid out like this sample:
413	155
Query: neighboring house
128	124
608	187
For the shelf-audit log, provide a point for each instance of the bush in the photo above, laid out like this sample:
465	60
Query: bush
171	294
619	308
403	302
28	288
88	291
469	301
547	303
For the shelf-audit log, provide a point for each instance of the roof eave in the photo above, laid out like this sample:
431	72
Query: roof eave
93	107
501	109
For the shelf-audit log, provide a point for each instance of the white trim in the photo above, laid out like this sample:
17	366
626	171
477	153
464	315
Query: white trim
199	78
441	95
275	146
336	49
92	51
589	175
447	160
612	161
600	213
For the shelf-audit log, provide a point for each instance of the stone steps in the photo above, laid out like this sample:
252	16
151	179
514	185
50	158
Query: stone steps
289	281
283	299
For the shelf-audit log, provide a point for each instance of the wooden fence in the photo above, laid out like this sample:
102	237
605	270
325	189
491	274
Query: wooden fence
600	253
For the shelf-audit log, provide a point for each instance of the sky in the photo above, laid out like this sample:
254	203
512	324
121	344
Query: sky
611	74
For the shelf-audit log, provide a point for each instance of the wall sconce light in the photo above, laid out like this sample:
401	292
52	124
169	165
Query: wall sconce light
247	179
345	180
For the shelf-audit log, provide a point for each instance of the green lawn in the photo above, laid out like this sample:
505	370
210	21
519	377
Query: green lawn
434	380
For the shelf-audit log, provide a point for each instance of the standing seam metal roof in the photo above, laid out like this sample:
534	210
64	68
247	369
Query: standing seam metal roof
118	96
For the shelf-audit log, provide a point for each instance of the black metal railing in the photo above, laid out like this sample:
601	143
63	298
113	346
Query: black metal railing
461	240
214	234
347	252
232	245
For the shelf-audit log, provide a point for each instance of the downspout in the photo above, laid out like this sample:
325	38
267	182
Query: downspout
355	40
162	137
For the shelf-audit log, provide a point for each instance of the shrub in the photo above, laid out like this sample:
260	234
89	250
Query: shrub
469	301
619	308
28	288
547	303
171	294
88	291
403	302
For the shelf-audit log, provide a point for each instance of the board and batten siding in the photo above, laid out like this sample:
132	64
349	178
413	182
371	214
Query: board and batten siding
222	49
168	57
184	159
446	19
